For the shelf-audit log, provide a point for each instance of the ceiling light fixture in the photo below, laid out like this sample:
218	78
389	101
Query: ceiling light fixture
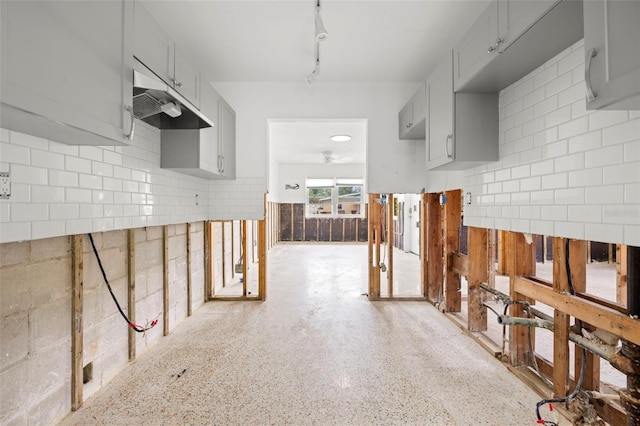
340	138
321	31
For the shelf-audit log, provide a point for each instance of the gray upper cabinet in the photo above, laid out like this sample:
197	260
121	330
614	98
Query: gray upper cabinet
612	49
67	70
209	152
511	38
462	127
157	51
227	140
411	119
477	47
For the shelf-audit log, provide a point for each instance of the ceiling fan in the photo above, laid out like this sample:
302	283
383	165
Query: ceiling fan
331	158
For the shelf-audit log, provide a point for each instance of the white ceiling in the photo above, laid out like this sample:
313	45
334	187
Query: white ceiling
368	41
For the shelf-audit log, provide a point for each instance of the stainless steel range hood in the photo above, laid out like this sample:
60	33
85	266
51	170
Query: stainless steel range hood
159	105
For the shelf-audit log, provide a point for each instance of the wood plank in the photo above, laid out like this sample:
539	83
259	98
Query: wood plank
389	238
459	263
478	272
262	260
224	252
424	268
189	280
243	256
621	274
492	245
77	277
597	315
165	280
435	262
521	261
561	322
452	208
286	222
374	247
502	253
131	290
209	271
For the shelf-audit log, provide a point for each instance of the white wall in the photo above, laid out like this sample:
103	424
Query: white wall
562	171
297	173
59	189
392	165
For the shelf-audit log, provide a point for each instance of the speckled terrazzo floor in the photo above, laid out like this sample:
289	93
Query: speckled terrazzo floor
315	353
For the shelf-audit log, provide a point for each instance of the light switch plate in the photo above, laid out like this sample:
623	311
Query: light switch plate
5	185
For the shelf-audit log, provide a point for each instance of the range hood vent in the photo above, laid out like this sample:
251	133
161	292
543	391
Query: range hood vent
159	105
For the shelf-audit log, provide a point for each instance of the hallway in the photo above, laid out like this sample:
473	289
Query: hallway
316	352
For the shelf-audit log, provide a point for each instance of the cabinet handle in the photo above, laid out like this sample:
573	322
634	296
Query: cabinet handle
591	94
222	157
446	146
133	124
219	165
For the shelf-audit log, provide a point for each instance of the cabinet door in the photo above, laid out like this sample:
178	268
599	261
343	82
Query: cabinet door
227	140
517	16
440	149
152	46
612	34
404	120
186	79
477	47
210	151
66	63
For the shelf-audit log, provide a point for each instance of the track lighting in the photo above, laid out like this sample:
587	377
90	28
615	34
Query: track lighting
314	73
321	31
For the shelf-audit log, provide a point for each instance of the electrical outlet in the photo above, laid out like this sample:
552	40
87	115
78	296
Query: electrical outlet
5	185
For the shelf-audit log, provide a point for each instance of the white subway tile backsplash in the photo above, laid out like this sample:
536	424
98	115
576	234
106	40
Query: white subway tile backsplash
533	98
604	232
604	194
534	126
47	229
522	87
112	157
558	116
27	140
546	106
530	212
76	164
569	162
632	192
47	194
625	173
62	178
513	108
562	82
585	177
554	213
530	184
586	142
77	195
555	149
64	211
621	213
101	169
542	197
520	172
569	196
89	181
47	159
569	230
603	118
545	136
546	75
622	132
16	154
542	227
604	156
511	186
572	128
29	175
523	116
91	210
90	153
542	167
16	231
102	197
631	235
558	180
579	109
27	212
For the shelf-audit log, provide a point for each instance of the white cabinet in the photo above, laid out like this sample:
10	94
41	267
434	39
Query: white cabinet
208	152
411	119
612	49
227	140
157	51
511	38
462	127
67	70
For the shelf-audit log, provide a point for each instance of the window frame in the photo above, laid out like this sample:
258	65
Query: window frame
334	184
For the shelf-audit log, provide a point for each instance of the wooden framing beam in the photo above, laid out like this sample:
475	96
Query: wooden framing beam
77	277
435	263
424	268
459	263
208	260
389	238
491	257
243	256
165	280
262	260
521	262
131	290
621	274
189	281
561	323
374	247
502	253
453	217
478	272
597	315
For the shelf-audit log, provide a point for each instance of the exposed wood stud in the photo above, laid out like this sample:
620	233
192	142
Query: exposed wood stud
208	260
233	249
189	281
452	208
262	260
478	273
131	290
224	254
502	253
621	274
165	280
374	247
77	265
434	248
521	262
243	256
424	279
389	238
491	257
561	322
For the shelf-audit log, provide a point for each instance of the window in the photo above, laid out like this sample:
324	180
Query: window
335	198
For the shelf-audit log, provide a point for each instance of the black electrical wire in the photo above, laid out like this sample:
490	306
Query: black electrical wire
138	328
583	366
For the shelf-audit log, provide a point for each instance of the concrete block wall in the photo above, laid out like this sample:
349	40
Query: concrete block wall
563	170
35	327
35	312
59	189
